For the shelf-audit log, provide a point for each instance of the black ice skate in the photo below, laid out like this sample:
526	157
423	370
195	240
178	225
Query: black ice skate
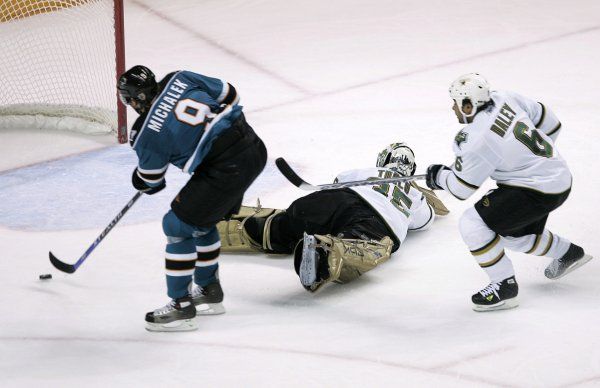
208	300
497	296
177	315
573	259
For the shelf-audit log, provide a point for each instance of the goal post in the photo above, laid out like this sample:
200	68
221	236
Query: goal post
59	65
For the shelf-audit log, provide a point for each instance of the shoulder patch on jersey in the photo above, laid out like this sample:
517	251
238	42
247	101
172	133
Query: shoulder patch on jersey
460	137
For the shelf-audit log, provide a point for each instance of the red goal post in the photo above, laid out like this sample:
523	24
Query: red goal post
59	65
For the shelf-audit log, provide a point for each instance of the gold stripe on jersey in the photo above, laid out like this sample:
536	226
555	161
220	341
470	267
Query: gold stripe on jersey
493	261
465	183
536	242
542	117
450	190
555	129
486	247
550	240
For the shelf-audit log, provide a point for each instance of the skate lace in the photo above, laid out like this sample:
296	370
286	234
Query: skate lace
491	288
197	291
166	309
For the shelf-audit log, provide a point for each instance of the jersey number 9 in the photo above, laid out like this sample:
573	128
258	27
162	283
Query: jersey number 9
192	112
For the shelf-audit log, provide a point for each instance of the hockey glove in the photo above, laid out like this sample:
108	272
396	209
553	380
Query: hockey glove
432	173
142	186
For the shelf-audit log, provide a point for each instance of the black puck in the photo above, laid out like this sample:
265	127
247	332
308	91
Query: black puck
45	276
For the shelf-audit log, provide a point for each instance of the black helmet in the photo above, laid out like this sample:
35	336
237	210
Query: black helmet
139	84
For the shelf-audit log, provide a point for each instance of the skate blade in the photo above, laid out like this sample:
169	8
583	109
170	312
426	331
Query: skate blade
548	273
181	325
308	266
504	305
210	309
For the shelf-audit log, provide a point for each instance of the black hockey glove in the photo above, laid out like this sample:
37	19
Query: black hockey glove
432	173
140	185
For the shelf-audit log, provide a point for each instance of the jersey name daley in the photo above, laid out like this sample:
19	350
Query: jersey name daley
166	104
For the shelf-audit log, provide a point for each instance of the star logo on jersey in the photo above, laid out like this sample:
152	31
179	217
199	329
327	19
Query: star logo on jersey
460	137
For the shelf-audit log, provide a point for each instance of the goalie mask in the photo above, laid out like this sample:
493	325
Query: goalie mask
139	85
471	88
398	157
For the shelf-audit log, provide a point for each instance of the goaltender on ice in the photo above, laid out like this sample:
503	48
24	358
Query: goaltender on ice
337	235
509	138
195	123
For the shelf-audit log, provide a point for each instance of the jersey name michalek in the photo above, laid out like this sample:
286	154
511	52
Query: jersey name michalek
191	111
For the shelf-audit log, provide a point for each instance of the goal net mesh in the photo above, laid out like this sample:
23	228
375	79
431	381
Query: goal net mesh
58	65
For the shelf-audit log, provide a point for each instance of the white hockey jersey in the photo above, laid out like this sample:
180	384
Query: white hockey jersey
401	206
503	143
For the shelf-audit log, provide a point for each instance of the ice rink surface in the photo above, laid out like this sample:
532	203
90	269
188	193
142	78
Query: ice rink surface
327	85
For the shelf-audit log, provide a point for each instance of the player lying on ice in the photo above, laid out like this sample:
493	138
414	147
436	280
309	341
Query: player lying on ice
337	235
510	139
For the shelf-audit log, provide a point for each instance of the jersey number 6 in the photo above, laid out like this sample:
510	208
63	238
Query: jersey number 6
532	139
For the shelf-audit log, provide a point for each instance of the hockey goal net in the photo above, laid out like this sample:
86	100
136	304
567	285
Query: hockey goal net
59	65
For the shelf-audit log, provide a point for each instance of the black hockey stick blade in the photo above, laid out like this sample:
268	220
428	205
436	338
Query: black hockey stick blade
291	175
61	266
70	268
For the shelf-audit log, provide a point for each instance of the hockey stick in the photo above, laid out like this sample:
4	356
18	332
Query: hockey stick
291	176
70	268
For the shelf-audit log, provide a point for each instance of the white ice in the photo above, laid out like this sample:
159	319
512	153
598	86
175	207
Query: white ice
326	84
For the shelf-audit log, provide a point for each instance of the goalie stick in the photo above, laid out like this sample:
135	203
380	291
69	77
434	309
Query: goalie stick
70	268
291	176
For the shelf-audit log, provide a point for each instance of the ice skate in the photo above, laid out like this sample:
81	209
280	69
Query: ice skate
310	260
208	300
573	259
177	315
497	296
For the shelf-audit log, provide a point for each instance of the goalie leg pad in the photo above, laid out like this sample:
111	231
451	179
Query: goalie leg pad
350	258
234	234
347	259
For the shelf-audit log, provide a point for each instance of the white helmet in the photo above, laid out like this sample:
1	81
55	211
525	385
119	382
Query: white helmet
472	87
398	157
